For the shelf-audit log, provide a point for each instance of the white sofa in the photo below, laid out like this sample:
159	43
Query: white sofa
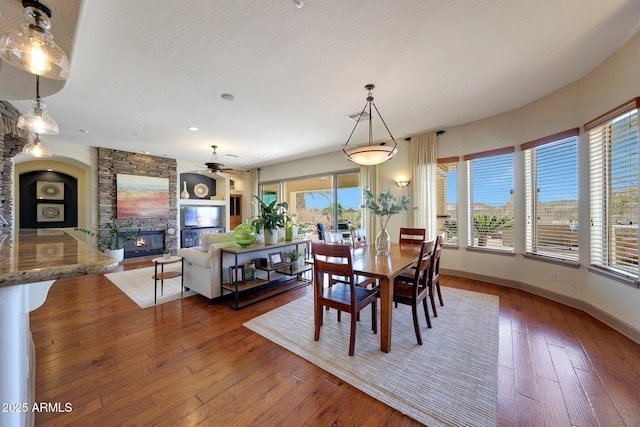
202	265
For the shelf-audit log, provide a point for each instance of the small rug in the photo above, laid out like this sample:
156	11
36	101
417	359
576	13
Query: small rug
451	380
138	285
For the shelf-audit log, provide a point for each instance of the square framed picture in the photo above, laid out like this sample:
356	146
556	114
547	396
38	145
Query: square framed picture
236	274
49	212
49	190
276	259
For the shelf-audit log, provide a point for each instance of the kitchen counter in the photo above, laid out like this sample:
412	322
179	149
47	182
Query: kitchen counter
30	262
30	256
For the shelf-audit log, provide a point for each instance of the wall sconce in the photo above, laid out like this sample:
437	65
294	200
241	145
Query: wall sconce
402	183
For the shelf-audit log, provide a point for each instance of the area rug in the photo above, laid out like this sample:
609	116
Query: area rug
451	380
138	285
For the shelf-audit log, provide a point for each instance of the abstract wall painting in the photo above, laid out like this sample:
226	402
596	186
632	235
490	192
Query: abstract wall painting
142	196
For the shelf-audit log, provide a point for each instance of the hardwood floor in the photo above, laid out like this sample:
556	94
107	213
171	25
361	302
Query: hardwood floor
189	362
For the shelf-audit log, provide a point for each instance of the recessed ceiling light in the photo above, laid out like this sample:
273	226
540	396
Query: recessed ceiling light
193	128
227	97
83	131
231	156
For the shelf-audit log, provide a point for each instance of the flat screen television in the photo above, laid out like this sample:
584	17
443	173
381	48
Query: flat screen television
201	216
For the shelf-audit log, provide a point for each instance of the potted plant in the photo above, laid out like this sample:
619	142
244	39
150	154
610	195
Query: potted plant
272	217
385	205
113	243
295	255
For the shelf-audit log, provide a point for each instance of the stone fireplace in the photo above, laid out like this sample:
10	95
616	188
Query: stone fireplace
148	243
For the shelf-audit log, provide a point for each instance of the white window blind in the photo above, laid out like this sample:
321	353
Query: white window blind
447	199
551	185
490	199
613	164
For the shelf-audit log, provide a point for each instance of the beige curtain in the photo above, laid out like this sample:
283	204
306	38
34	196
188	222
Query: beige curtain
424	160
370	178
253	190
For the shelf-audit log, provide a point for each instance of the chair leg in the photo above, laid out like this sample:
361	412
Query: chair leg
433	303
318	323
426	312
374	316
416	325
352	335
439	293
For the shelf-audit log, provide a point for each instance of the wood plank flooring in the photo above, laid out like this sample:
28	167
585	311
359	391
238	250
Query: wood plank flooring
189	362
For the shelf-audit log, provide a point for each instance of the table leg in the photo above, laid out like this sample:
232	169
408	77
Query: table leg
182	278
386	311
162	280
155	283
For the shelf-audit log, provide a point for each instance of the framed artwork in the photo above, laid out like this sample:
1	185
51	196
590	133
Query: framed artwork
49	212
142	196
236	274
276	259
49	190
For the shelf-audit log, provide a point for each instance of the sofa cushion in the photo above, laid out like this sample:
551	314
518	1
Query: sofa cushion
209	239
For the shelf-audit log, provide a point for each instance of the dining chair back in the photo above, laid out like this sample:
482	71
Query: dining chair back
412	236
359	238
413	290
434	273
335	260
334	238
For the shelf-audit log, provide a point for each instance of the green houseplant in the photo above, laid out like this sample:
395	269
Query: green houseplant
272	216
385	205
294	255
486	225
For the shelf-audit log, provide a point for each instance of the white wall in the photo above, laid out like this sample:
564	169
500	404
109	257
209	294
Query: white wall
609	85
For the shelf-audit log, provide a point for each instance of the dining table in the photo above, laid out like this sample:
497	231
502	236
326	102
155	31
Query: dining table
384	267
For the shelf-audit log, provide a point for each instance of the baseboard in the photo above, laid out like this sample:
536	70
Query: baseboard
606	318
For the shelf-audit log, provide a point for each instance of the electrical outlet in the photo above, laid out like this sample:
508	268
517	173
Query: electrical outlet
553	276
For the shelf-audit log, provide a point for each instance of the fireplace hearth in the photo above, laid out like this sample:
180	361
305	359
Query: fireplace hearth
148	243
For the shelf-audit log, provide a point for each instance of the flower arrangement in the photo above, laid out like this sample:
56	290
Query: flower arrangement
385	205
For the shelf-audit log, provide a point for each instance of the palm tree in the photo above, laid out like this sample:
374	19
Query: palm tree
486	225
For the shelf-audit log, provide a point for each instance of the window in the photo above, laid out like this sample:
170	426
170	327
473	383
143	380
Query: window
447	199
490	199
551	185
332	200
613	163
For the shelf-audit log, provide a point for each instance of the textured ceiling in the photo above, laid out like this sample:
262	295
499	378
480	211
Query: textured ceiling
143	72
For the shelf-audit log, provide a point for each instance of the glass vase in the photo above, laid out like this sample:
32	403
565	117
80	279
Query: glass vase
244	234
383	242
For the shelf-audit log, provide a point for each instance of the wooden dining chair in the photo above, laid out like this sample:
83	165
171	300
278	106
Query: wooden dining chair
413	290
434	274
358	238
412	236
335	260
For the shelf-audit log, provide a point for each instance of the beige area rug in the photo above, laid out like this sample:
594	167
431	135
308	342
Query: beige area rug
138	285
451	380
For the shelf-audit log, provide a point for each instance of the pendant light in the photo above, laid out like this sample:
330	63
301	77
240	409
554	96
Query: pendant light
31	48
36	120
371	154
36	148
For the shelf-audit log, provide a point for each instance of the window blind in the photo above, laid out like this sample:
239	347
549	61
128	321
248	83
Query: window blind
490	199
613	169
551	198
447	199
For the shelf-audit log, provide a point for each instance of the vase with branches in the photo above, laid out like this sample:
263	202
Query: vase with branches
115	238
385	205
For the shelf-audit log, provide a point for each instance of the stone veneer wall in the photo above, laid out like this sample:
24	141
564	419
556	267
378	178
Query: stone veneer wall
12	141
113	162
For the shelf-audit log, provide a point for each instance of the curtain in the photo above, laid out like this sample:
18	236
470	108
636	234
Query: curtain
253	189
370	179
424	161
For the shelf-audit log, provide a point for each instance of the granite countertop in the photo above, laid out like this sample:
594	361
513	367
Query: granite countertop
30	256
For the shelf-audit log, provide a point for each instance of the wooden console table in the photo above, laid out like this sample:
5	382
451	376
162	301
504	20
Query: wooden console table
237	294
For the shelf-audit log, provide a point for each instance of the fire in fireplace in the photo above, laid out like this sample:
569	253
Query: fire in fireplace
148	243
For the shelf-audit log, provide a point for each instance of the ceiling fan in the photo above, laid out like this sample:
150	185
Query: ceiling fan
214	164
